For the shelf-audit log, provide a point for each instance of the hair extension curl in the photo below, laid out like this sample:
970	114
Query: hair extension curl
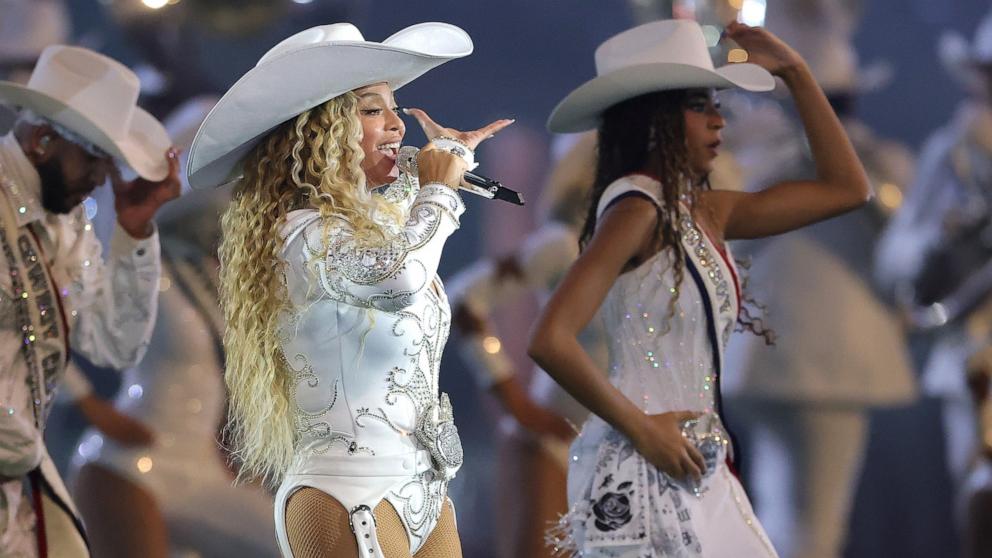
310	162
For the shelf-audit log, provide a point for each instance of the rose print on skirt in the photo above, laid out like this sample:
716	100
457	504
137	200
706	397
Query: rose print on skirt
624	493
612	511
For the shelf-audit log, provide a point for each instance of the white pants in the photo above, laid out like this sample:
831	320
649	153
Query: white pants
804	463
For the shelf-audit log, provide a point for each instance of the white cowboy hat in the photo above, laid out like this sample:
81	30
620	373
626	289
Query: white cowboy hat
656	56
94	96
961	59
304	71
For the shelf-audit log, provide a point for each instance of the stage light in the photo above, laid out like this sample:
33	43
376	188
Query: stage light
491	345
890	196
753	12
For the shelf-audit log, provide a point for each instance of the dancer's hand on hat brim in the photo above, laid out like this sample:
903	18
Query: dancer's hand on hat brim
764	48
137	201
472	138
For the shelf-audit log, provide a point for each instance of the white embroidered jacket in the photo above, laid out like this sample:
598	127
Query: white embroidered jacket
53	278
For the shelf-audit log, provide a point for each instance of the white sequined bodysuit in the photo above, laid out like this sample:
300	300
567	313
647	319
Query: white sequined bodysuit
620	505
364	340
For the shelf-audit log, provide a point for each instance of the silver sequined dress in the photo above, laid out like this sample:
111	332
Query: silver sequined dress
620	505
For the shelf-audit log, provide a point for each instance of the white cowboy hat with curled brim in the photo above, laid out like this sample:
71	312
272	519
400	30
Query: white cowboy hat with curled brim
94	96
304	71
656	56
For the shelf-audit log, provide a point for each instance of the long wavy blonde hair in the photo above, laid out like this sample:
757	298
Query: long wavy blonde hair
313	161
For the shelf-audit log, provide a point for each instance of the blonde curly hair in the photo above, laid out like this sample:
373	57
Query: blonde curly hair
313	161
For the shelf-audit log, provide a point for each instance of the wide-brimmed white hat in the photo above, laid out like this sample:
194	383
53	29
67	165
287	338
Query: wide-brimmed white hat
95	97
304	71
656	56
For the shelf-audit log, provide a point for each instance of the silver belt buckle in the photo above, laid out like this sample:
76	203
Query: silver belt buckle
707	435
441	439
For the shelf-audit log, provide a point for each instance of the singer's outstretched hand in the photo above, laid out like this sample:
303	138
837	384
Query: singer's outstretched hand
472	138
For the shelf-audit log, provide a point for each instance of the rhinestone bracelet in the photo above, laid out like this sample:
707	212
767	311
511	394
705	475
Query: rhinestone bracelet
456	140
456	147
438	183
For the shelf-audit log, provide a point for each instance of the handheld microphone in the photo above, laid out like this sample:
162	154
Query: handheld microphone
476	184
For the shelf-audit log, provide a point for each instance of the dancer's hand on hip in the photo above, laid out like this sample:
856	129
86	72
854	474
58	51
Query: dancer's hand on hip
660	441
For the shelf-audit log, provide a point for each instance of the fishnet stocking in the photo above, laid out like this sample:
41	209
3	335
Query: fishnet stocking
443	542
390	531
317	527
